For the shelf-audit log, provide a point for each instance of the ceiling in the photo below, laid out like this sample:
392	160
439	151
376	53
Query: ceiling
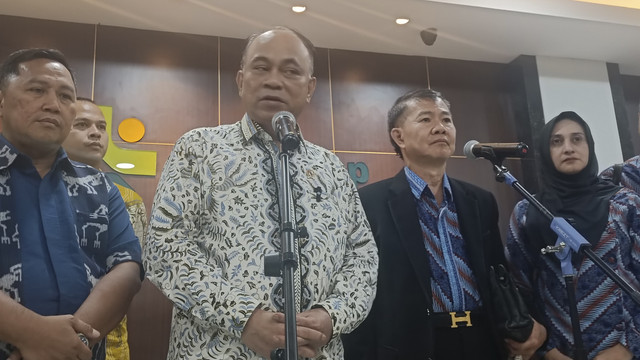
481	30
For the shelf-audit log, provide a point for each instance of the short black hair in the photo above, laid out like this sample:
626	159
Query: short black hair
11	66
399	107
306	42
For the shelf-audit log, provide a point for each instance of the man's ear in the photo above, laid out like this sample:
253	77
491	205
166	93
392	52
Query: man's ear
397	136
239	78
311	88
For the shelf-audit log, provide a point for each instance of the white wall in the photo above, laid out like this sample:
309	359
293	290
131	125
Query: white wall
582	86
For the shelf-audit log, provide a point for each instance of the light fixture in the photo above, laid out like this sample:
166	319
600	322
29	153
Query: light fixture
298	8
402	21
125	166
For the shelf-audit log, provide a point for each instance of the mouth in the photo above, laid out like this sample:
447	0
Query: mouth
440	141
95	145
272	99
51	121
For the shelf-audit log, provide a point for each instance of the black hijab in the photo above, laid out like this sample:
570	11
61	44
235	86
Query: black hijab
581	198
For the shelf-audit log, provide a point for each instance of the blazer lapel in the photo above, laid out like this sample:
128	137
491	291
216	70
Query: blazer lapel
405	218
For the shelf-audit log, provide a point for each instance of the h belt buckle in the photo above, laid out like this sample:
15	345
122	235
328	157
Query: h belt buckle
457	317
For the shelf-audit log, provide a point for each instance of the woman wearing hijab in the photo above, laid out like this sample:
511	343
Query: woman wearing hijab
609	218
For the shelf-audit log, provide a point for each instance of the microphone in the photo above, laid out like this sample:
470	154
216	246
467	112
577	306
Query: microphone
474	149
284	125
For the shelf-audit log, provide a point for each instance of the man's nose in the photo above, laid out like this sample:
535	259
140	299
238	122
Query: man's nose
51	101
274	78
95	132
439	128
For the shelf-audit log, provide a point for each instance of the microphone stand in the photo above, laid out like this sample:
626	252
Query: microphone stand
569	239
285	263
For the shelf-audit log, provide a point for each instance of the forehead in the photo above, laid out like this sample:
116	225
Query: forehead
44	69
87	110
278	45
426	105
566	126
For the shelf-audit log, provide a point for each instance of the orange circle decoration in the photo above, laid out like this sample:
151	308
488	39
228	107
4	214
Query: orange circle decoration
131	130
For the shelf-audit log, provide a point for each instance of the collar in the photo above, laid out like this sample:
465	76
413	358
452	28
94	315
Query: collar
419	186
9	155
251	130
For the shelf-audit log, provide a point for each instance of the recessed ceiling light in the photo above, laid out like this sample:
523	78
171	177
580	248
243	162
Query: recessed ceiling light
402	21
125	166
298	8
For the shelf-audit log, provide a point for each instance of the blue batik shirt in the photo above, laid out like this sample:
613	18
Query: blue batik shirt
59	234
453	284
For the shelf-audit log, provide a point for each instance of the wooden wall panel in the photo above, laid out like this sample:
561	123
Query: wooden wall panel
364	86
230	54
380	166
74	40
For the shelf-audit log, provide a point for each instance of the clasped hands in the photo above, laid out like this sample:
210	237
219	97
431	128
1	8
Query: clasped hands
55	338
265	331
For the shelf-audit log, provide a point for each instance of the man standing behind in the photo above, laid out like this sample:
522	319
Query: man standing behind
87	143
437	237
215	217
626	174
69	260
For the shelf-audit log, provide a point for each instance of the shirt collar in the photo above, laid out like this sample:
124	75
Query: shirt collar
251	130
9	154
419	186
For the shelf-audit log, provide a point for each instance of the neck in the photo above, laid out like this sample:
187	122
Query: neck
433	176
43	163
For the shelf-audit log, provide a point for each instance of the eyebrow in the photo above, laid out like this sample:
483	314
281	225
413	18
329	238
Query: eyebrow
43	82
286	61
429	112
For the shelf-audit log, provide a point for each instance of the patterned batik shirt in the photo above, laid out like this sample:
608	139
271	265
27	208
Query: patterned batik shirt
453	284
59	233
607	315
630	175
215	217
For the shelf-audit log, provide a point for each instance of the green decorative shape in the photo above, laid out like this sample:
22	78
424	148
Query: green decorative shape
359	172
144	161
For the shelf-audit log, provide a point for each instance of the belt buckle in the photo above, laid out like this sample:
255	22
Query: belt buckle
465	319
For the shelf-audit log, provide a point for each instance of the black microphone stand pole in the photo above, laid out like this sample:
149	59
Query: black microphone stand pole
285	263
569	239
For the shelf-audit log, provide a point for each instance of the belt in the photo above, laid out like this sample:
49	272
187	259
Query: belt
456	319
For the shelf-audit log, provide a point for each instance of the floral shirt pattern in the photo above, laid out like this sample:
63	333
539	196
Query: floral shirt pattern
215	217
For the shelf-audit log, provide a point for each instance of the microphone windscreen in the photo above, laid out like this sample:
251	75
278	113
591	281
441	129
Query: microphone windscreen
291	119
468	149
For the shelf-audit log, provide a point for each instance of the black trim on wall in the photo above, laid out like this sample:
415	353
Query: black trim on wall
620	109
526	100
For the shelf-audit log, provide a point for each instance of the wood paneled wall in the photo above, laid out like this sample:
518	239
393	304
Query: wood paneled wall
177	82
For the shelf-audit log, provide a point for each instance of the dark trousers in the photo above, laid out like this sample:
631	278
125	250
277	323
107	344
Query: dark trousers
465	343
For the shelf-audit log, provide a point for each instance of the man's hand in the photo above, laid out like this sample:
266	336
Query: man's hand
314	329
528	348
263	332
55	338
616	352
555	354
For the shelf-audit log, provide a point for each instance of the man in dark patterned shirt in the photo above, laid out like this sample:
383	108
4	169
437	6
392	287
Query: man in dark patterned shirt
69	260
437	237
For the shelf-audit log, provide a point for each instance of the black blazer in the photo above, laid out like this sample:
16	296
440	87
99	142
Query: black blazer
397	326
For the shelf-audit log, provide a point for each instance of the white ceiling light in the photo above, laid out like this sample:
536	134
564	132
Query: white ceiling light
125	166
402	21
298	8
